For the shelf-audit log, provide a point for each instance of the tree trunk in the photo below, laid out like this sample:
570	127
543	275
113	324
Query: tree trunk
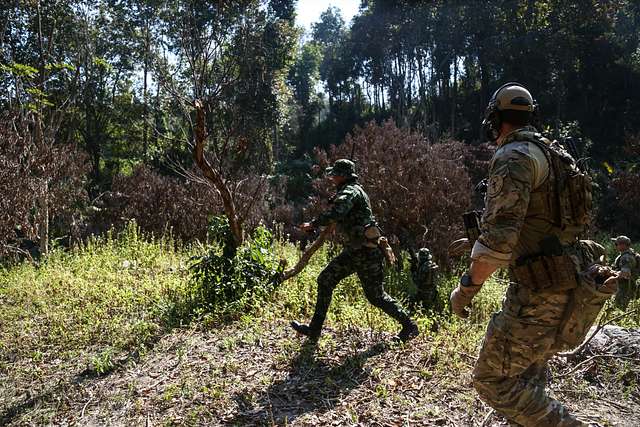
145	118
43	226
214	176
42	215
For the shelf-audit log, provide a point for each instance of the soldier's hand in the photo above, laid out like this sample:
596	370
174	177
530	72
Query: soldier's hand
461	298
459	248
307	227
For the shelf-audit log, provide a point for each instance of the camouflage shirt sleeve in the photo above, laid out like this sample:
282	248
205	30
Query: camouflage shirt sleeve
511	179
341	205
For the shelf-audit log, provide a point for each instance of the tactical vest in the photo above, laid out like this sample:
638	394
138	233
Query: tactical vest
635	271
565	196
563	203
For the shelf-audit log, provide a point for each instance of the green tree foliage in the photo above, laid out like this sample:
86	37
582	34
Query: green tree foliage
234	57
119	78
433	65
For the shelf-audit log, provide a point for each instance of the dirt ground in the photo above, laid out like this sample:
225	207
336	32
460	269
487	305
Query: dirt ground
264	375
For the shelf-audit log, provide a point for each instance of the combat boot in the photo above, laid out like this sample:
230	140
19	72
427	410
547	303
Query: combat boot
303	329
408	332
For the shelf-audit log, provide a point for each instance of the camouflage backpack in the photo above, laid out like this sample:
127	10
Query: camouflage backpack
571	202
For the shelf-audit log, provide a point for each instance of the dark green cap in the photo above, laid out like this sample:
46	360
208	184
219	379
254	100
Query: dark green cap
343	167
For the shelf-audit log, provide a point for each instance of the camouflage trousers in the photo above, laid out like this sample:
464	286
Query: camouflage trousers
511	371
427	294
368	264
627	292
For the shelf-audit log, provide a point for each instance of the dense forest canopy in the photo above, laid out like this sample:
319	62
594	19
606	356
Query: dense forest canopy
118	80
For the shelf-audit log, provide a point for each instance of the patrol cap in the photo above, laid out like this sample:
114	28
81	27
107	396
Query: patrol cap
343	167
622	239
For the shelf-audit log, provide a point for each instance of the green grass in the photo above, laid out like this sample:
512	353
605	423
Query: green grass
118	292
98	307
114	294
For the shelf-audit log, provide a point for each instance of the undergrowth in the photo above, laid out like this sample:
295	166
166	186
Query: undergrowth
101	305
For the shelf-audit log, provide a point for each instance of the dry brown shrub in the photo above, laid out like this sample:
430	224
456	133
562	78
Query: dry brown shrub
179	204
160	204
619	207
418	189
31	172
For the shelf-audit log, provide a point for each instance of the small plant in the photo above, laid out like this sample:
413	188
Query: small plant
103	362
226	282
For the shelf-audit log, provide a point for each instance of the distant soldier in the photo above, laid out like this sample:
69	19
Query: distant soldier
423	273
351	212
627	264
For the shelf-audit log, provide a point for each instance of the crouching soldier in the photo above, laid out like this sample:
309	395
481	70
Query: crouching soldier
423	273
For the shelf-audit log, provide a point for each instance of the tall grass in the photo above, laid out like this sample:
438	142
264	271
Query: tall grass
114	293
119	292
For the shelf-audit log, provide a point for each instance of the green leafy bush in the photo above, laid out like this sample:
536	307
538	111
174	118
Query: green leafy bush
225	283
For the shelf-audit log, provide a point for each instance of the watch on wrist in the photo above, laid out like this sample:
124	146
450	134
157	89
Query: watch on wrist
465	281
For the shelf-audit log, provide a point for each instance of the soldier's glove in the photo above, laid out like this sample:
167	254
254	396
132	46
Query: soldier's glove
387	251
462	296
459	248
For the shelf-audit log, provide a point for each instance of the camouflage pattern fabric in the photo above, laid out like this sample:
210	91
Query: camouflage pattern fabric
517	216
368	264
626	262
510	373
351	210
424	277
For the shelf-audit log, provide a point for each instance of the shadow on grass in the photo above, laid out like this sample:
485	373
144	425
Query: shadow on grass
71	383
177	316
310	386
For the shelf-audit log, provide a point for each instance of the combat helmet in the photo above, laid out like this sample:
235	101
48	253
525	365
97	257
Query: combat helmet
512	102
424	254
622	239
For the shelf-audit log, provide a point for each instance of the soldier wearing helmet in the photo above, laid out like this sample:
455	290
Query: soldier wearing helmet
423	273
530	225
351	212
627	265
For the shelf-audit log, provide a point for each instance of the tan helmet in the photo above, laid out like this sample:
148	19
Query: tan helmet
513	96
510	96
622	239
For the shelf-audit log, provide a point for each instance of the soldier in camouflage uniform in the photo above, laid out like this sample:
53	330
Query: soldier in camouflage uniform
423	273
351	212
525	227
626	264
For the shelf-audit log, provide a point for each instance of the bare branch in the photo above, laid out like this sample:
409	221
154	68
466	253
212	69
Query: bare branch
214	175
307	254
